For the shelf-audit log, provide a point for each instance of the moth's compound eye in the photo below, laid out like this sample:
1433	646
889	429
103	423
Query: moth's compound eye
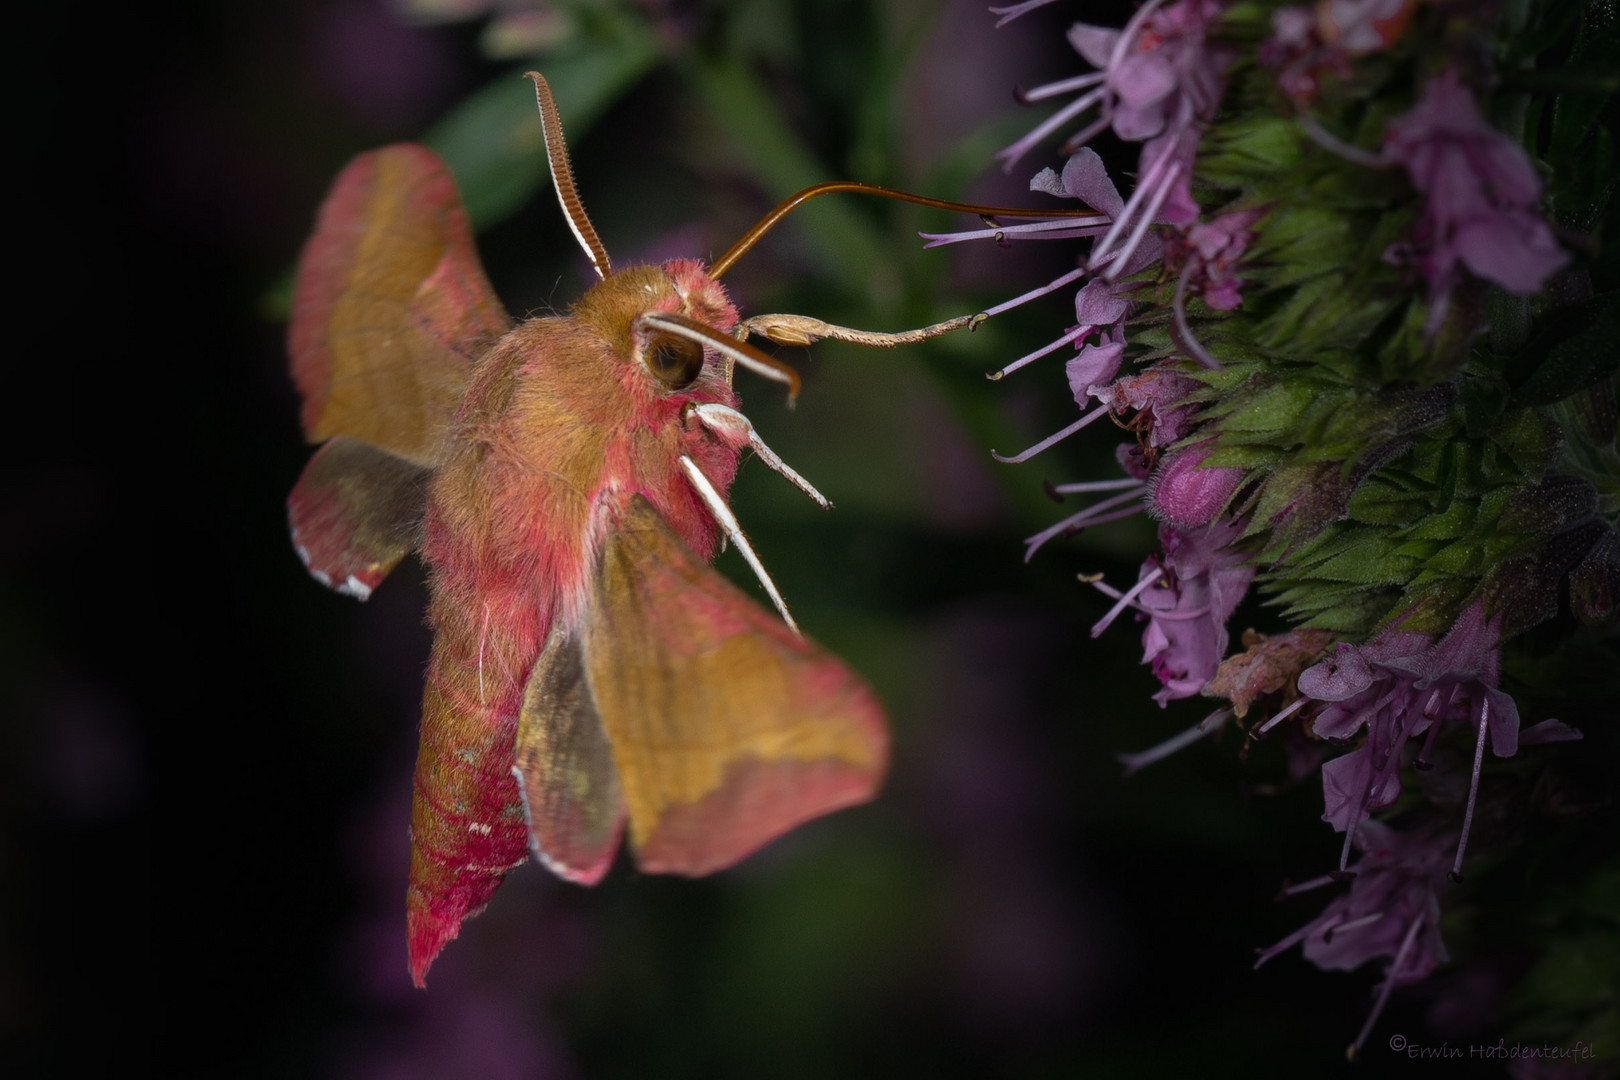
674	361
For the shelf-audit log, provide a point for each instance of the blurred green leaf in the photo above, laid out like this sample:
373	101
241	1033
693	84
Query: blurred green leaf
765	143
493	142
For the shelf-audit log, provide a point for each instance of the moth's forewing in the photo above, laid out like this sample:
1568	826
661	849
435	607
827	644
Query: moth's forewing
391	306
727	728
355	513
571	794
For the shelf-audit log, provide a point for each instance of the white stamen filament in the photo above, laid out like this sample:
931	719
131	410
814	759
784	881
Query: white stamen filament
1125	601
1357	924
722	514
1308	886
1140	760
1473	790
1073	109
1350	830
1059	228
723	418
1052	287
1067	339
1052	440
1089	132
1008	14
1103	248
1333	144
1282	715
1075	521
1098	485
1070	525
1384	991
1064	86
1161	193
1189	341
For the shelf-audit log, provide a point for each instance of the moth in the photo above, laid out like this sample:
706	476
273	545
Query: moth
564	479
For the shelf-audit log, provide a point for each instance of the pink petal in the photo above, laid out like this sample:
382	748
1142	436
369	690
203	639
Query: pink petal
1514	249
1097	305
1548	731
1086	178
1143	79
1095	43
1503	723
1096	365
1343	675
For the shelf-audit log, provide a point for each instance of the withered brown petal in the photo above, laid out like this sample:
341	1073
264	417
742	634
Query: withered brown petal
728	729
1268	664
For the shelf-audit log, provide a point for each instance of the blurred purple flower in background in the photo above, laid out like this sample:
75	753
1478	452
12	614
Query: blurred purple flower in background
1392	909
1480	195
1399	686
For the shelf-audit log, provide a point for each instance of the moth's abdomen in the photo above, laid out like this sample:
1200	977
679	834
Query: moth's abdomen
467	825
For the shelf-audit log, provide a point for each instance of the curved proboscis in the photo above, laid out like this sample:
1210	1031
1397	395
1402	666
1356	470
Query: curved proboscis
788	205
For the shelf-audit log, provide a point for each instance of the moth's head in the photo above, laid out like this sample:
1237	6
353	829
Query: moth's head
665	328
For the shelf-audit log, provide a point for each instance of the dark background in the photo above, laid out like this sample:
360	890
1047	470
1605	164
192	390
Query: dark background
206	756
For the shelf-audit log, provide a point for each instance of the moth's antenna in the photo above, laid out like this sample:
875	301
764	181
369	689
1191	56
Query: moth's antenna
562	178
768	222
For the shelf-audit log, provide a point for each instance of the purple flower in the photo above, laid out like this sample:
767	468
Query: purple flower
1092	371
1398	687
1481	193
1391	909
1364	26
1155	74
1188	495
1186	594
1208	256
1158	395
1307	43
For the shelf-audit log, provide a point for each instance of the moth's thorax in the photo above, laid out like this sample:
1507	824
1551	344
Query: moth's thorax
562	416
